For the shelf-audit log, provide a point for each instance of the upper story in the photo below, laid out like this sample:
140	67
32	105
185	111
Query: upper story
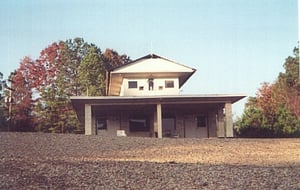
147	76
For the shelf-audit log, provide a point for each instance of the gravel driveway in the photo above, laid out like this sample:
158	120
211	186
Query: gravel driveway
67	161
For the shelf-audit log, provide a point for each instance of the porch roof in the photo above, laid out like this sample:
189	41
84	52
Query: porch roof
80	101
177	99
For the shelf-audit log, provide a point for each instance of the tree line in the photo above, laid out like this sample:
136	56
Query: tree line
275	110
37	94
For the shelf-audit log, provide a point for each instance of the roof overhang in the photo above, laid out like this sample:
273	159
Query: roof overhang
79	102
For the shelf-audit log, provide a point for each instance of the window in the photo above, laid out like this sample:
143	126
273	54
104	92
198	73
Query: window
169	84
151	83
139	124
141	88
101	123
160	88
132	84
201	121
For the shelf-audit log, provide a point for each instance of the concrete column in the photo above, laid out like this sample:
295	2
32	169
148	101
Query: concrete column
155	123
228	120
220	123
159	120
88	119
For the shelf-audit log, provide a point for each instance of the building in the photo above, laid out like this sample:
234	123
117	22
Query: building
143	99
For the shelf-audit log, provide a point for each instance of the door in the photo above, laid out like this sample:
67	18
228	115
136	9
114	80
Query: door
168	127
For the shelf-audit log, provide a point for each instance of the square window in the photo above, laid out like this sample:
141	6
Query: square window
201	121
160	88
169	84
141	88
132	84
101	124
139	124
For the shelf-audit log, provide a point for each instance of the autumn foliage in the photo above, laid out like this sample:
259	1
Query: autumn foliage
22	97
42	87
275	111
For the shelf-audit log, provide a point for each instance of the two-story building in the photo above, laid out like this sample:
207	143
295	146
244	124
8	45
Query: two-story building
143	99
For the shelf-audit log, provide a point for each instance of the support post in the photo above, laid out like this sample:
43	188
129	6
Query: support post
88	120
228	120
220	123
155	123
159	120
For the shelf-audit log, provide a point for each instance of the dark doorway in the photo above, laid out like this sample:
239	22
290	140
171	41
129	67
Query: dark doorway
168	126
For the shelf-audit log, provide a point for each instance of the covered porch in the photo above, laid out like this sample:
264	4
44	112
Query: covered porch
164	116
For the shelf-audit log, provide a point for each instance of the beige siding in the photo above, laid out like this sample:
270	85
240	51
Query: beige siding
212	124
177	121
191	129
159	87
180	125
153	65
114	124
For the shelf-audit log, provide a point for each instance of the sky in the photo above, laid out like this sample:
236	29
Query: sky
235	45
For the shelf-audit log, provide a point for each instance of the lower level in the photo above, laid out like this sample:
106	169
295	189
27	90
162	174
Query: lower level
159	121
196	117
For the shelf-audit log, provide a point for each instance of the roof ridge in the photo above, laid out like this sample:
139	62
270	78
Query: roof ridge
154	56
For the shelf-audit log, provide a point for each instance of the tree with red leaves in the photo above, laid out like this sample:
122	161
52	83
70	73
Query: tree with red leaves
43	86
267	102
21	94
113	60
46	67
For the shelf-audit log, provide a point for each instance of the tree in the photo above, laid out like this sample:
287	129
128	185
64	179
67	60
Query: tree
3	115
92	73
287	85
3	108
276	104
2	82
74	68
45	72
72	54
253	123
21	118
45	69
113	60
287	124
267	102
53	110
63	69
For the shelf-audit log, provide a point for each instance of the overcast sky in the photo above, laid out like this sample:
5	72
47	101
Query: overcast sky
235	44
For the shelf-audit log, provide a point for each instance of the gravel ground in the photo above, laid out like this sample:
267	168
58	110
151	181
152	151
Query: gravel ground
65	161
